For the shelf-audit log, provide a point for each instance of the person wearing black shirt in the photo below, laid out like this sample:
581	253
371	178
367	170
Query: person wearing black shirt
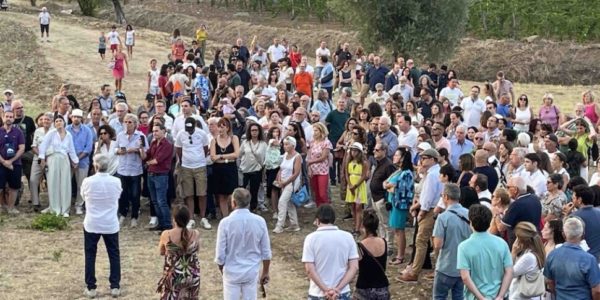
243	53
425	103
343	54
27	126
244	75
240	100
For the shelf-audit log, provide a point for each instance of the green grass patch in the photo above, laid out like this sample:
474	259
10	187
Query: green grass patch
49	222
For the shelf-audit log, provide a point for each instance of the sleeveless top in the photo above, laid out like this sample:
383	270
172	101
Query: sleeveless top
590	112
522	116
346	75
287	170
228	150
154	77
181	272
371	270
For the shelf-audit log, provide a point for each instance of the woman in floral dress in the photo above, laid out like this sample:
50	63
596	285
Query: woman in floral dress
181	272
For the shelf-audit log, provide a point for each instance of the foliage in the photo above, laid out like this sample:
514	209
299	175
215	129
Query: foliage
57	254
564	20
294	8
88	7
49	222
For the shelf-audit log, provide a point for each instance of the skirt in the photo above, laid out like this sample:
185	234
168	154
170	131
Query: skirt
398	218
372	294
225	177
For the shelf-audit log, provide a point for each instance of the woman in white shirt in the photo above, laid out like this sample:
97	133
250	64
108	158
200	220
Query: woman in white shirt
528	257
58	153
107	145
289	180
36	170
523	114
252	154
129	40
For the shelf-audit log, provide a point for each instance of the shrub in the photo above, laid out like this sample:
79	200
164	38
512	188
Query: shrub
49	222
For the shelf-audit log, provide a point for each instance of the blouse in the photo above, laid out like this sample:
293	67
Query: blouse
252	156
315	151
52	143
38	138
553	204
273	156
111	152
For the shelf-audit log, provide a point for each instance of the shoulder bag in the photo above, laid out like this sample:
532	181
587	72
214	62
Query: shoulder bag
533	287
301	196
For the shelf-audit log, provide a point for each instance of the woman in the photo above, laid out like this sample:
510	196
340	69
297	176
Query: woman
295	130
415	116
364	118
550	113
437	114
471	131
318	163
582	135
528	257
466	164
274	120
163	79
553	199
57	151
559	164
178	51
504	151
252	156
357	171
282	97
224	151
95	104
181	271
409	79
552	233
295	56
259	109
143	116
400	186
218	62
346	137
107	145
346	75
523	114
359	65
289	180
286	74
425	82
36	171
488	93
129	40
591	109
372	282
500	202
120	68
272	161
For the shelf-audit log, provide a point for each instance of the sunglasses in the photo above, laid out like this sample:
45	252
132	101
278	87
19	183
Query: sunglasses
478	138
191	142
355	133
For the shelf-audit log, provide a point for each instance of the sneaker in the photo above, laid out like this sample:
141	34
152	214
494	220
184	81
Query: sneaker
90	293
205	224
65	215
262	207
12	211
133	224
278	230
115	293
310	205
79	210
46	210
121	220
274	216
191	224
293	228
153	222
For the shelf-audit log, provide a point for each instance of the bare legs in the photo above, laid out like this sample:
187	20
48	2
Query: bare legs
400	243
357	209
224	204
274	199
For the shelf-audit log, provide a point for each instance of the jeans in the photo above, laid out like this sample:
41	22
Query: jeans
344	296
158	185
130	194
443	283
111	241
254	179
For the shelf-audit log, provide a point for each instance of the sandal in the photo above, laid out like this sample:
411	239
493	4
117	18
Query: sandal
397	261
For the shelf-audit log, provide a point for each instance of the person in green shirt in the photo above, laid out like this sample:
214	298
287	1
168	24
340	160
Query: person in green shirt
335	121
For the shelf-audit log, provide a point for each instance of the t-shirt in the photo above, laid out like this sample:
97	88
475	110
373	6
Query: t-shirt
321	52
573	270
192	148
591	218
451	229
44	18
526	208
113	37
472	111
276	52
9	143
491	174
336	121
27	126
454	95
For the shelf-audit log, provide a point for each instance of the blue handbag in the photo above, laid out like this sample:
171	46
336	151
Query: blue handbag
301	196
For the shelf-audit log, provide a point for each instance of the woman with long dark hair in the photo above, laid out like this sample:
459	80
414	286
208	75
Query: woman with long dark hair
224	151
357	172
252	154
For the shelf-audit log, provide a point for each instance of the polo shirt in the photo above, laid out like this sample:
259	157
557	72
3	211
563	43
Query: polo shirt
336	121
573	270
457	149
376	75
485	256
491	174
383	170
452	230
11	140
454	95
591	217
526	208
472	111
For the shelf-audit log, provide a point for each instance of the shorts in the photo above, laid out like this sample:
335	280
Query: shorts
101	50
193	181
364	91
113	46
154	90
13	177
271	177
45	28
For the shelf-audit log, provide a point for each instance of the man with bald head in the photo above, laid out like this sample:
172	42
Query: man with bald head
483	167
526	208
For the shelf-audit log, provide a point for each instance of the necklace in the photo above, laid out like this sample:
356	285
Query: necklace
222	149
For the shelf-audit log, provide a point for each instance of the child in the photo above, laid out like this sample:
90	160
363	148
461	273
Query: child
115	40
102	44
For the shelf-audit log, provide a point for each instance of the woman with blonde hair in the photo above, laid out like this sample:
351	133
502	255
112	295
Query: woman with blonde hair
500	202
318	163
528	257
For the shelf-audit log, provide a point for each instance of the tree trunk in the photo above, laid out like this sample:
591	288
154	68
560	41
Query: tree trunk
32	2
119	14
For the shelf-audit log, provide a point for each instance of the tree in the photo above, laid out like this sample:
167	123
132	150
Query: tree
88	7
119	14
428	29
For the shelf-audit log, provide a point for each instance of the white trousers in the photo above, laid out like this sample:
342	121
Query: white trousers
240	291
59	183
286	207
34	181
80	175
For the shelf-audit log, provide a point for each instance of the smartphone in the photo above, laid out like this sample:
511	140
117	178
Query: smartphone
123	149
142	142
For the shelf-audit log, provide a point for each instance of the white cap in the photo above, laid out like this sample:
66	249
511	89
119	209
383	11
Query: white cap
77	113
424	146
8	91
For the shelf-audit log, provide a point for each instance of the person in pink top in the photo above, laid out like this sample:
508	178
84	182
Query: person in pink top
318	163
120	67
550	113
592	109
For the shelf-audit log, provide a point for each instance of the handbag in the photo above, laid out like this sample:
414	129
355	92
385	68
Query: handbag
534	287
301	196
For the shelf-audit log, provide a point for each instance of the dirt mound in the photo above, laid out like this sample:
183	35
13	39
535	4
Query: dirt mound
530	60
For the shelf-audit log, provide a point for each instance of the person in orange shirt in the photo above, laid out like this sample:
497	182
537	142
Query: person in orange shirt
303	81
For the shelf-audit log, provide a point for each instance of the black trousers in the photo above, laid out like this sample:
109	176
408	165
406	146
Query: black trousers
111	241
254	179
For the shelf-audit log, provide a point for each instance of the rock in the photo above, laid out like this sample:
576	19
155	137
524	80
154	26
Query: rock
241	14
532	39
66	11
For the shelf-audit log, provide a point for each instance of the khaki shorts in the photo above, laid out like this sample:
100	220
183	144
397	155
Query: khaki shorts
188	177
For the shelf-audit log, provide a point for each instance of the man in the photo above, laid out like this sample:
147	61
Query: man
570	272
343	54
430	195
44	18
101	195
551	145
330	269
516	162
299	117
161	111
261	56
525	208
491	107
242	244
27	127
437	135
392	79
503	86
233	77
9	95
106	101
276	51
132	146
426	103
326	76
479	140
503	106
191	146
336	121
405	90
320	52
452	93
118	123
383	170
492	134
583	199
303	81
415	74
473	107
479	183
387	136
158	160
63	108
307	67
12	147
376	73
484	260
243	75
83	142
243	54
482	166
372	138
240	100
533	175
408	134
459	145
187	110
451	228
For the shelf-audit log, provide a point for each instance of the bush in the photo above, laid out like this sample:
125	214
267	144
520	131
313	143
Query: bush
49	222
88	7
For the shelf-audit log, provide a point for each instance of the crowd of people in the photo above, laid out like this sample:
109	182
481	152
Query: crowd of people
502	197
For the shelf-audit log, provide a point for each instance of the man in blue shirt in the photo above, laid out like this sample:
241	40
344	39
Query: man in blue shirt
376	74
459	145
326	76
570	272
583	199
83	141
526	208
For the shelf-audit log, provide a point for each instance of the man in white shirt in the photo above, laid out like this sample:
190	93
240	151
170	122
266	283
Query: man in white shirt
191	146
406	91
479	182
330	269
408	134
452	92
307	68
533	175
187	110
44	18
117	122
242	244
321	51
161	112
100	193
473	107
300	117
276	51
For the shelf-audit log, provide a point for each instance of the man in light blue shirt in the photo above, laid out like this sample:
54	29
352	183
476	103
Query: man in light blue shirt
116	122
83	141
459	145
484	261
326	76
242	244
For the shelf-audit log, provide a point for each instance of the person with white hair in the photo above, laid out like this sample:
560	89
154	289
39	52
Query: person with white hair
117	122
290	181
572	273
100	193
388	136
44	18
526	207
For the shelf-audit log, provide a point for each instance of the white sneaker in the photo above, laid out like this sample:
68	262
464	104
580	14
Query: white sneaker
90	293
310	204
115	293
46	210
79	210
121	220
274	216
12	211
153	222
205	224
65	215
133	224
191	224
293	228
278	230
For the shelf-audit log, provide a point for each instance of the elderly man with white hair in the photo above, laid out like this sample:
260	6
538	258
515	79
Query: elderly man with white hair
44	18
117	122
526	208
387	136
459	145
572	273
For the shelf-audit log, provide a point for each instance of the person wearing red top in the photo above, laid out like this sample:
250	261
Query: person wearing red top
158	159
295	56
303	81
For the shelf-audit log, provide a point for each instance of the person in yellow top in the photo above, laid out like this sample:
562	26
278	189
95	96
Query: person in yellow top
201	36
356	177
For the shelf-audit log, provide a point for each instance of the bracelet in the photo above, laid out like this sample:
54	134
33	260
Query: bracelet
226	161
